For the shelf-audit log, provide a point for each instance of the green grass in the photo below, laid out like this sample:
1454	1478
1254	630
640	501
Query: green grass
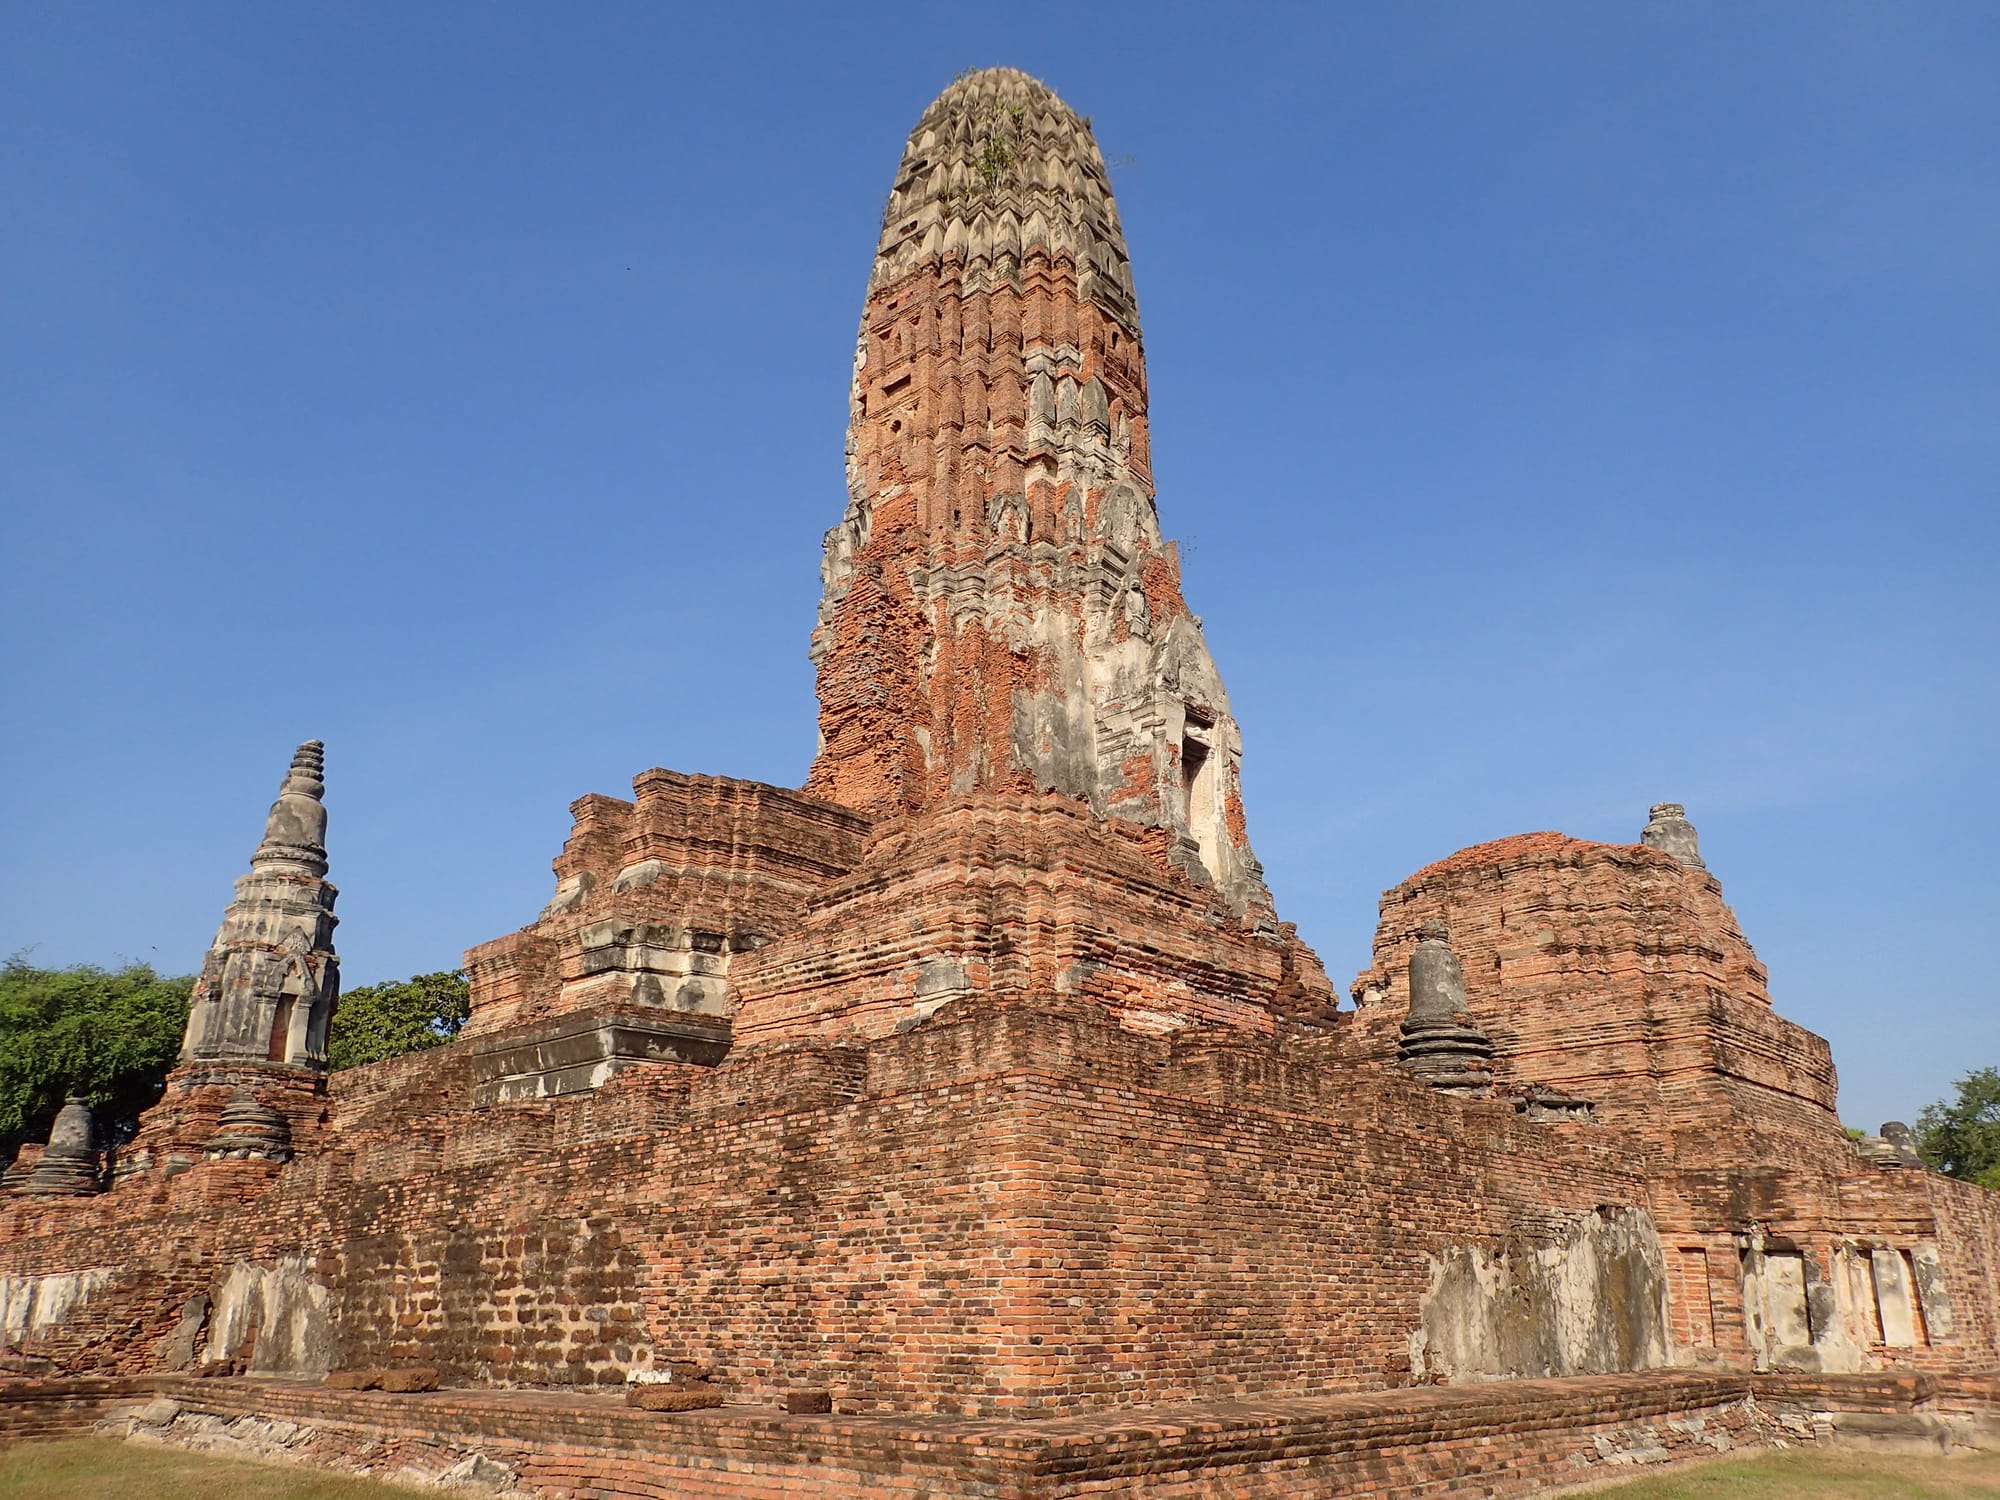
1813	1474
97	1468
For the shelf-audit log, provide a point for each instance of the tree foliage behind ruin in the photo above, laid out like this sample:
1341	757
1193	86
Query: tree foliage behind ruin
386	1020
1960	1136
108	1035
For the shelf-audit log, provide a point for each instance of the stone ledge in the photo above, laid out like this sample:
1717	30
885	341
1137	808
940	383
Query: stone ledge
581	1051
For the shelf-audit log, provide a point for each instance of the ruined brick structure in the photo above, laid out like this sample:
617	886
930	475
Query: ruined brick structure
1001	612
979	1080
269	984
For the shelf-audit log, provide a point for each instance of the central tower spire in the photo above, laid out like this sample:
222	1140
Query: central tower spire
1000	611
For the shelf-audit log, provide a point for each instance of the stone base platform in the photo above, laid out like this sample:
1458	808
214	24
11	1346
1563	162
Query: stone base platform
1519	1438
582	1051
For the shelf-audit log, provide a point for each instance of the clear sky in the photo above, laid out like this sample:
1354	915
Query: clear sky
1563	407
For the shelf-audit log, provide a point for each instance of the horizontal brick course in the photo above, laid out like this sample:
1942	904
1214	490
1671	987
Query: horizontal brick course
1503	1440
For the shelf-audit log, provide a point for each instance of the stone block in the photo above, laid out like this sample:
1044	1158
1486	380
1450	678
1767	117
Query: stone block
478	1472
178	1351
274	1319
157	1412
581	1051
1914	1433
1933	1292
808	1403
413	1378
672	1397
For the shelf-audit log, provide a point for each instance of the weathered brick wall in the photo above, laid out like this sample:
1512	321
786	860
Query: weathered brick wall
1211	1220
1011	1211
1967	1222
1614	973
1017	1203
708	864
141	1269
42	1410
1828	1207
1008	1208
1012	896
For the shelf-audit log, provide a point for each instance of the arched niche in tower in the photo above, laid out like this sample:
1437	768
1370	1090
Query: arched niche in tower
1202	761
1007	519
1125	520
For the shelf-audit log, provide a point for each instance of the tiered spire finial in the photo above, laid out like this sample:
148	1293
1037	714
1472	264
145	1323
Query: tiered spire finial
295	831
997	169
268	986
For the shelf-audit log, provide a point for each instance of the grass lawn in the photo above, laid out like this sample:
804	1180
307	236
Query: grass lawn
97	1468
1811	1474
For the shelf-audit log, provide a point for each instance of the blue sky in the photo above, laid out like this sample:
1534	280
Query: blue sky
1563	408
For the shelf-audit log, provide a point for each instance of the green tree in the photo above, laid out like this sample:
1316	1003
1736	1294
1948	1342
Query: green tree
387	1020
1961	1136
109	1036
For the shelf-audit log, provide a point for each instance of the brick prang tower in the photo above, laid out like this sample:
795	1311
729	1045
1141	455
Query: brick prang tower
1000	610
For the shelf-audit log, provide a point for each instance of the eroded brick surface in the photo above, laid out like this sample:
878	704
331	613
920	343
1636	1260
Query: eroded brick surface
1001	612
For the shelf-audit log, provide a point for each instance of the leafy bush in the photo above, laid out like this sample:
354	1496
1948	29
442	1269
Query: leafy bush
107	1035
1961	1136
387	1020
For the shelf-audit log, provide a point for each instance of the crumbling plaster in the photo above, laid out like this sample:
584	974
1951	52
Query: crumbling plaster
1587	1299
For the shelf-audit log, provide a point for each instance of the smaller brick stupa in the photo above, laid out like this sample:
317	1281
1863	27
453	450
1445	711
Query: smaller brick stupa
1441	1042
250	1131
253	1063
69	1166
270	981
1669	831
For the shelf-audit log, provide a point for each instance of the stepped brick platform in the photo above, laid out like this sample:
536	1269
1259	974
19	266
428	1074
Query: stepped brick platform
1518	1439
